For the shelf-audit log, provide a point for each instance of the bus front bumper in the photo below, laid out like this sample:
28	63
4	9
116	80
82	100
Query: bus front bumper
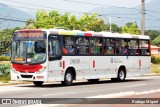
19	76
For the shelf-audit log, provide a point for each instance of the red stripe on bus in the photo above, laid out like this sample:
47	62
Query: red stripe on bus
93	63
87	34
63	64
28	68
140	63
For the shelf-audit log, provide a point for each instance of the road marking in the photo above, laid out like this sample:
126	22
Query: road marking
113	95
60	93
147	92
136	85
145	77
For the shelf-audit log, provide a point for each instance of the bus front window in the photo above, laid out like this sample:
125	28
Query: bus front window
19	51
36	53
29	51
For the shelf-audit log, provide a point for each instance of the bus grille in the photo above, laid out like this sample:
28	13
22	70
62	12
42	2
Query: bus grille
26	76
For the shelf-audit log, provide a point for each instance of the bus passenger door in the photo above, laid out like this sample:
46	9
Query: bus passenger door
54	57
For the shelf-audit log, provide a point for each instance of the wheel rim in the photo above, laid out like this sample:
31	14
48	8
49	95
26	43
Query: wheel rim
121	75
68	77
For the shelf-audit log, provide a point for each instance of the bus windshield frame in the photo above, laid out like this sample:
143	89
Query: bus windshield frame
29	48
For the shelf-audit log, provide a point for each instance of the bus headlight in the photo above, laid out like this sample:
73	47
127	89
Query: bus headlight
14	71
41	70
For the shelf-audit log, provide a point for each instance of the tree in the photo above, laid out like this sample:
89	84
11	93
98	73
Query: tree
152	33
29	22
55	19
91	23
6	39
115	28
156	41
131	28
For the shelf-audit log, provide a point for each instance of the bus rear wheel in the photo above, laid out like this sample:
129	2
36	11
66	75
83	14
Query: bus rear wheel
68	78
38	83
121	74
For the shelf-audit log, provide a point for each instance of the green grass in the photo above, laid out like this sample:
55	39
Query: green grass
155	68
5	78
5	62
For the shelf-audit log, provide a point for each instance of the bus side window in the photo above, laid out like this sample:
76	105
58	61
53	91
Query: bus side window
96	46
54	48
133	47
64	50
68	45
109	46
144	47
82	45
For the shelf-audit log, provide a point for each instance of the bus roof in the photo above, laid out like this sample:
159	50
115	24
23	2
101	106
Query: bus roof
65	32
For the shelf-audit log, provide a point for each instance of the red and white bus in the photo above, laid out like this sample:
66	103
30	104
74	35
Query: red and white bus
62	55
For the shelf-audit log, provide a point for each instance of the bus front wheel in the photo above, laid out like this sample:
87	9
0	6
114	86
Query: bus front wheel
38	83
68	78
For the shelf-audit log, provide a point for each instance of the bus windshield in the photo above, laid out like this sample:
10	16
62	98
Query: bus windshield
28	51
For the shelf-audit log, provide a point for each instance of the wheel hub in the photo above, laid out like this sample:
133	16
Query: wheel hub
68	77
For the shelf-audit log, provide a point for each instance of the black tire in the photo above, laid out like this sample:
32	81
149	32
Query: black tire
68	78
93	80
38	83
121	74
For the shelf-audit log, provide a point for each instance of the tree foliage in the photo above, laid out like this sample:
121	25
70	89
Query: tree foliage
152	33
115	28
5	39
131	28
55	19
156	41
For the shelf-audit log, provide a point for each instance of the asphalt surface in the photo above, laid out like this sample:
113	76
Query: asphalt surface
84	92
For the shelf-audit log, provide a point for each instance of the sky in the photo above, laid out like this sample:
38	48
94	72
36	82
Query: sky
69	5
76	7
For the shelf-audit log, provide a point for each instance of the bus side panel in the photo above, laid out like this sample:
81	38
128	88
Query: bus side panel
58	68
55	70
102	66
80	64
131	64
144	63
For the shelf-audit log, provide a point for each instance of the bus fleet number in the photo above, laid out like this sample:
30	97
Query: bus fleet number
75	61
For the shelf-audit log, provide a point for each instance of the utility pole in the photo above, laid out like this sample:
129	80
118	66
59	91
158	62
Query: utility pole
143	17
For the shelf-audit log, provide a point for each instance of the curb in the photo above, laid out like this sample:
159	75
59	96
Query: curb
14	83
152	74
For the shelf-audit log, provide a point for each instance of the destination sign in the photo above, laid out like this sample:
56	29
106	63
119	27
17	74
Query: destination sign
30	34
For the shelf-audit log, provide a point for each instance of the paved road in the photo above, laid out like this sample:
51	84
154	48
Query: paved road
103	89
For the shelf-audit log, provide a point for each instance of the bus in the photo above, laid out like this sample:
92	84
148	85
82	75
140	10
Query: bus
45	55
